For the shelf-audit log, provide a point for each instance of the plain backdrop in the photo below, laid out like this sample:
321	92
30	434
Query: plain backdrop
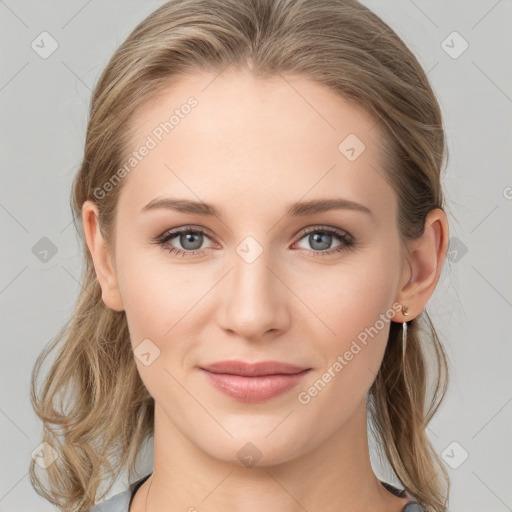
464	46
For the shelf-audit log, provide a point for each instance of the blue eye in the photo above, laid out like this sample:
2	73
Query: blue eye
188	238
321	238
191	239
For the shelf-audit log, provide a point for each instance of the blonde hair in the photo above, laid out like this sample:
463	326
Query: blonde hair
95	409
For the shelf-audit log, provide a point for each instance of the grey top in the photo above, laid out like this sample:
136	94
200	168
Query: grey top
122	501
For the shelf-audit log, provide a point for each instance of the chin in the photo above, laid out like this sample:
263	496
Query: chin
258	451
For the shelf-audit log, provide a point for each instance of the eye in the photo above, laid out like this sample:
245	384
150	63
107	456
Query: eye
321	238
191	239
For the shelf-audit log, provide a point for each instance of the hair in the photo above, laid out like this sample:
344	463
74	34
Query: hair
95	409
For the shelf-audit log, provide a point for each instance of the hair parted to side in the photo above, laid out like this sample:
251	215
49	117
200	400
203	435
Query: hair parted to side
95	409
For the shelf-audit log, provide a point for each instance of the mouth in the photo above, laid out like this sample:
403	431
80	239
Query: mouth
253	382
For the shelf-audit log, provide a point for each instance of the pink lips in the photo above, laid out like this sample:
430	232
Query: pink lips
253	382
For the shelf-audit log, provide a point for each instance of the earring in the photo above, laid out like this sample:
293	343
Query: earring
405	311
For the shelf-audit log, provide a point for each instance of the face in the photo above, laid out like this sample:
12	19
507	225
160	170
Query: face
311	288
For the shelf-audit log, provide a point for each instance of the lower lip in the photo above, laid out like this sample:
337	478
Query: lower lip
254	389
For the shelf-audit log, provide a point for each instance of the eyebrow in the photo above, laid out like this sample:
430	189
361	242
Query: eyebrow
295	210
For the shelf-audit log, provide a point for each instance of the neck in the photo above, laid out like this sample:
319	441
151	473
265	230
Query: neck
335	476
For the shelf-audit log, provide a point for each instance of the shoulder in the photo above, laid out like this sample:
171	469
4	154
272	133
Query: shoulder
117	503
120	502
411	506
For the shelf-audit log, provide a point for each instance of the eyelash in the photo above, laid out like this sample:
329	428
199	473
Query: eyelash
347	241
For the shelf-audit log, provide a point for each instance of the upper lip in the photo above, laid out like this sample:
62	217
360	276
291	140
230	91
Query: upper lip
253	369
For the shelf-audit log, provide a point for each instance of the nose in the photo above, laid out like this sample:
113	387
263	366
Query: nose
254	301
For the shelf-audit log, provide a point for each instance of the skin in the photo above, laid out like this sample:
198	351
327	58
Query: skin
253	147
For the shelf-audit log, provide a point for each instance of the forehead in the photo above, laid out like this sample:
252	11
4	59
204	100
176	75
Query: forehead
234	137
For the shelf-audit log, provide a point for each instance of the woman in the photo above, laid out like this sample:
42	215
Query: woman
263	227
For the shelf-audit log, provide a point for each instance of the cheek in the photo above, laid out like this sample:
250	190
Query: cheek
352	298
155	293
358	310
356	305
141	288
163	304
154	313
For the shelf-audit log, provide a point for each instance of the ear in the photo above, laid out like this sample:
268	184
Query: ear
105	271
425	262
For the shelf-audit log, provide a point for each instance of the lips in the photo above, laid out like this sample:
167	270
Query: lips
253	382
254	369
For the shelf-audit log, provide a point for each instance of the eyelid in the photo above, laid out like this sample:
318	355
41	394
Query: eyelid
185	228
329	229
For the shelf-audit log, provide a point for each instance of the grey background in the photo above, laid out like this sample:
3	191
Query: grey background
44	105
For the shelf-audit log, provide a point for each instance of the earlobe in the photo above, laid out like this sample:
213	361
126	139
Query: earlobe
102	260
427	255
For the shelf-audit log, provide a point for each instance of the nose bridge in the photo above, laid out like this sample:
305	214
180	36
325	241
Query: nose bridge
253	301
251	268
